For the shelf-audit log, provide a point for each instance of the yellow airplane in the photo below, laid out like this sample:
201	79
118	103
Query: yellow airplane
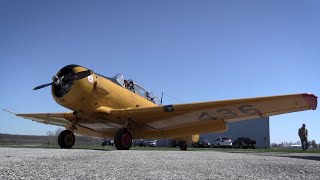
115	107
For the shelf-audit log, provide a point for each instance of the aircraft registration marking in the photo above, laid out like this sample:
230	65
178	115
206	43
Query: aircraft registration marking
229	113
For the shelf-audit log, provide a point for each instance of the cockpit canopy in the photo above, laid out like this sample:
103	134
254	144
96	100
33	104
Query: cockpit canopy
136	88
120	79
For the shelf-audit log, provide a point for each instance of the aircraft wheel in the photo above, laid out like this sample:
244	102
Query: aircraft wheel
66	139
183	145
123	140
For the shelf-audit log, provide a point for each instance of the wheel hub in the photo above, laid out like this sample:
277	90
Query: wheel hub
68	139
126	140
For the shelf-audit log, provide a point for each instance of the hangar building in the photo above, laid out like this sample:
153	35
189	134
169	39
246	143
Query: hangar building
257	129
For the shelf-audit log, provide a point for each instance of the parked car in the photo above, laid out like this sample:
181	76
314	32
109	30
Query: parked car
106	142
222	142
244	142
139	142
295	146
175	143
201	144
144	143
151	143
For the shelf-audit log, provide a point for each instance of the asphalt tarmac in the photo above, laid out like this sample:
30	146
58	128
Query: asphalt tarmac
34	163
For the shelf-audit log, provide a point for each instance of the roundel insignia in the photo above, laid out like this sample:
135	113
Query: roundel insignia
90	79
195	138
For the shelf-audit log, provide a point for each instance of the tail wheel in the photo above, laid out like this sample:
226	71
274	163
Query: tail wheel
123	140
66	139
183	145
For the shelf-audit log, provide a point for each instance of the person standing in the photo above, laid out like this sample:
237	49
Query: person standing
303	134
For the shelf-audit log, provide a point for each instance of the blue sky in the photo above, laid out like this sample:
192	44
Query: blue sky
190	50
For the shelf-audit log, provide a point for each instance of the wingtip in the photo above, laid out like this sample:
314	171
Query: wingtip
311	99
6	110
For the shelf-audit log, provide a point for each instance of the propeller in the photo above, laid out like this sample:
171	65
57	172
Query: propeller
42	86
77	76
60	81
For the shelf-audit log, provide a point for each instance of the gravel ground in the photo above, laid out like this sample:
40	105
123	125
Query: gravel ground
29	163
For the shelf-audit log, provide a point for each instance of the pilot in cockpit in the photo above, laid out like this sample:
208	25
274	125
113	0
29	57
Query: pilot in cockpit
126	84
129	85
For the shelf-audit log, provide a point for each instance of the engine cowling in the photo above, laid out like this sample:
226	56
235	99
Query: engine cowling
75	94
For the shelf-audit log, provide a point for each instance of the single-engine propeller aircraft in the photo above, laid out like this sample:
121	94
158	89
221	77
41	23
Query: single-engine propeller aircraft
115	107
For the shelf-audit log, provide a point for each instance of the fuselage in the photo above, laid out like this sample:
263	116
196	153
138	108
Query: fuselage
94	91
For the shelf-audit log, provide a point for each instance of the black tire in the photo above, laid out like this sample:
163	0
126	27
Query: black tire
66	139
183	145
123	140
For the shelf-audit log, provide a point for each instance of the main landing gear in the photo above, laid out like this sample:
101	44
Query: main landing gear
123	140
66	139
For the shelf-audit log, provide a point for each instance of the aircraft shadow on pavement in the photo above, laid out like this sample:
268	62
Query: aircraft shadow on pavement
95	149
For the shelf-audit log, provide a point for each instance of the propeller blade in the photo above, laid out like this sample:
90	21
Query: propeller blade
42	86
77	76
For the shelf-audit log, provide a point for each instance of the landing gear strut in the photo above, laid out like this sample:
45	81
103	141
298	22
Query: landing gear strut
66	139
123	140
183	145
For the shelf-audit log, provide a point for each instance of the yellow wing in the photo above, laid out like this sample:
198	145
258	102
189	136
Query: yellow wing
61	119
58	119
195	118
176	120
